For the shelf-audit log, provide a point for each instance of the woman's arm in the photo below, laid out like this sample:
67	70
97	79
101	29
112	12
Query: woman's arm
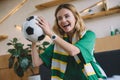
37	61
70	48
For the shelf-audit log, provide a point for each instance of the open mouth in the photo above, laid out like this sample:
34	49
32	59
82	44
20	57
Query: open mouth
66	25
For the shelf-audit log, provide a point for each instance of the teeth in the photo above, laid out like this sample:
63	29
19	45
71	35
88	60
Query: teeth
66	25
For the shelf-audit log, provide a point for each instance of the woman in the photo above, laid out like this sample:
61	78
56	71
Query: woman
70	57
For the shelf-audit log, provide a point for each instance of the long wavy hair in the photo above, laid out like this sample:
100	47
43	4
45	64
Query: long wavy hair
79	24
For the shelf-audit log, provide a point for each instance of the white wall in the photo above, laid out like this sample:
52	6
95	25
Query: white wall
100	25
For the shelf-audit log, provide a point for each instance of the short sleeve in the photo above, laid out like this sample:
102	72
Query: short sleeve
86	46
46	56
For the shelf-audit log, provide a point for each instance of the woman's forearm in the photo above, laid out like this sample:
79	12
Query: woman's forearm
35	56
68	47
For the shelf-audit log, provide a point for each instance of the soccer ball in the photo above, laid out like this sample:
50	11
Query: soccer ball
31	30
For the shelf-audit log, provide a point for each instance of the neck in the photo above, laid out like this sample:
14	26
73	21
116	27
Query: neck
70	35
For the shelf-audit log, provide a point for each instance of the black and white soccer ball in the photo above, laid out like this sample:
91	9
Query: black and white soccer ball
31	30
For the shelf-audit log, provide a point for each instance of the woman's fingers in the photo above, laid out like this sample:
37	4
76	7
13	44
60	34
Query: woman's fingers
41	18
39	21
43	24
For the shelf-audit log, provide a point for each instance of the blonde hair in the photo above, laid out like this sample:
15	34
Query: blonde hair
79	25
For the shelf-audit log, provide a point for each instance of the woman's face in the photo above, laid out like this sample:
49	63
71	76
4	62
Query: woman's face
66	20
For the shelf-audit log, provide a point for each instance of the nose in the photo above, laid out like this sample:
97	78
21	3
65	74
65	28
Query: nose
63	19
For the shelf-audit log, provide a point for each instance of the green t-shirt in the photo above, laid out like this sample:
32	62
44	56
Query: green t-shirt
74	70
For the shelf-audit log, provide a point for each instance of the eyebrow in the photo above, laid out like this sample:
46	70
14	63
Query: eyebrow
64	15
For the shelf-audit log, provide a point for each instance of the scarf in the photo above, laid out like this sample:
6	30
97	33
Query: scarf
60	58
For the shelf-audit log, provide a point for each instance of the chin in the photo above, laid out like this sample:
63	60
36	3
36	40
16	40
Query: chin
66	31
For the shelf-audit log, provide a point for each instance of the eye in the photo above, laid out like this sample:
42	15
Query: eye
67	16
59	18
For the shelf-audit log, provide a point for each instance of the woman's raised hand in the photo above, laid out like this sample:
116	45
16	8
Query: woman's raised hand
44	25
